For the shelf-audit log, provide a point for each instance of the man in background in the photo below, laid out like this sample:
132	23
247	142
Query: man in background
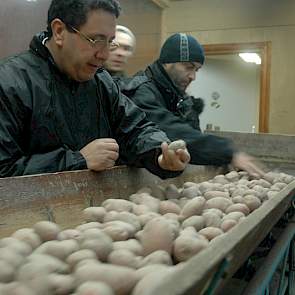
119	57
160	90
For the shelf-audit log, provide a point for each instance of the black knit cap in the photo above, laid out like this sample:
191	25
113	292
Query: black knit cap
181	47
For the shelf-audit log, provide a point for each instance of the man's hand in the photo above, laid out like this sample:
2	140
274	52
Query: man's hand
101	154
247	163
173	160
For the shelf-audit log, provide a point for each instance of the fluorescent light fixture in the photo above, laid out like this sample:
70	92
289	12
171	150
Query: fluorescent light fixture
250	57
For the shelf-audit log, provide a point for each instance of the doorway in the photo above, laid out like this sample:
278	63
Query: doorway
236	93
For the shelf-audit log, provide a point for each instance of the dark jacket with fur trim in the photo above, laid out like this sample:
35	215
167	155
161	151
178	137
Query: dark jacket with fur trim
155	93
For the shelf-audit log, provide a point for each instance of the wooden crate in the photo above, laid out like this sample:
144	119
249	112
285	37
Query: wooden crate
60	197
276	151
193	277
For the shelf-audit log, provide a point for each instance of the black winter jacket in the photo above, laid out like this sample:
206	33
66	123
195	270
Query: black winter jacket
46	118
155	93
120	78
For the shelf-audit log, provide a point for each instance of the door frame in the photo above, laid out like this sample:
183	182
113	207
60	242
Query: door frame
264	49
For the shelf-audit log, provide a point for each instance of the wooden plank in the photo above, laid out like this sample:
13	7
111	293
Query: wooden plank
162	3
61	197
276	151
192	277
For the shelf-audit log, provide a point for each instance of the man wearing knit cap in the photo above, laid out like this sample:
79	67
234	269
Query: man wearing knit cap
160	91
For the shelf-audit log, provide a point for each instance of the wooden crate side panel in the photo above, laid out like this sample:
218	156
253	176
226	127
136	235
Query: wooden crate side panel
61	197
193	277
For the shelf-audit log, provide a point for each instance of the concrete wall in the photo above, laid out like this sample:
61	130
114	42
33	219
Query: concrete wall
20	20
239	21
144	18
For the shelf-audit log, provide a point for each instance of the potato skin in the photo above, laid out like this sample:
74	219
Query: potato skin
210	232
238	207
168	207
6	272
29	236
190	192
118	205
94	214
102	246
62	284
69	234
47	230
193	207
218	203
227	224
252	202
132	245
150	268
80	255
151	280
186	246
157	235
89	288
121	279
177	144
157	257
123	257
234	216
214	194
198	222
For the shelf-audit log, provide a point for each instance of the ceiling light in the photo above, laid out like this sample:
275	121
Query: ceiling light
250	57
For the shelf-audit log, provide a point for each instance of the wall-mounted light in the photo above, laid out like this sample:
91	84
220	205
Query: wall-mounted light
250	57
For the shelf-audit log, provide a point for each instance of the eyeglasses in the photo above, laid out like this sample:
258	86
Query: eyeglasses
97	43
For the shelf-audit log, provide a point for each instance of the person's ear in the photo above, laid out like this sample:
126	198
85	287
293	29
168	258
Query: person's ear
58	31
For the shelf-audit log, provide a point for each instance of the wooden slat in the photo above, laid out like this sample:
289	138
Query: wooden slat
276	151
192	277
61	197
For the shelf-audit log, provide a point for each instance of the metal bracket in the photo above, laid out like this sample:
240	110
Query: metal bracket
219	274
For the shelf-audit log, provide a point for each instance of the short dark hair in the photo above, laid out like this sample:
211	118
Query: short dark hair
74	12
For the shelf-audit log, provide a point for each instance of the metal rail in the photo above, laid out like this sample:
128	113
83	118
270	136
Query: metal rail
282	258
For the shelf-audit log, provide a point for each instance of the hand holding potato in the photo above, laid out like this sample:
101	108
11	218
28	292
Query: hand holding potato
173	160
247	163
101	153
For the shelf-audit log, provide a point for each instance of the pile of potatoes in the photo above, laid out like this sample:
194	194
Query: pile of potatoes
126	245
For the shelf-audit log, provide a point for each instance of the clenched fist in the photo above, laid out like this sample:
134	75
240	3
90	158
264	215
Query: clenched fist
101	153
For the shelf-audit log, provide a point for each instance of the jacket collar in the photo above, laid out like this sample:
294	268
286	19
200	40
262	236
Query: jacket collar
166	86
38	47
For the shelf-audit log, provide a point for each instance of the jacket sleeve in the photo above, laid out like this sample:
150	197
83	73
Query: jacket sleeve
139	139
204	149
14	160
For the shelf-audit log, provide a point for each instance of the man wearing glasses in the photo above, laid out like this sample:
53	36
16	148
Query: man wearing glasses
59	110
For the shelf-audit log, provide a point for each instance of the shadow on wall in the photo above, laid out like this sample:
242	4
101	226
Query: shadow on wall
19	21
